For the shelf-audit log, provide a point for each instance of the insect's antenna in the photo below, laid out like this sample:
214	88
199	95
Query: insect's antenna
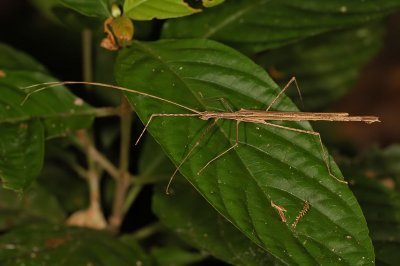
47	85
188	154
293	79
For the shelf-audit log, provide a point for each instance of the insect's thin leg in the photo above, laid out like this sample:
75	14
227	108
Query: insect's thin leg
325	155
226	104
155	115
293	79
189	153
224	152
145	128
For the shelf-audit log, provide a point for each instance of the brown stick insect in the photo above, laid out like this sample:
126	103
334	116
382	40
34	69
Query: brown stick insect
243	115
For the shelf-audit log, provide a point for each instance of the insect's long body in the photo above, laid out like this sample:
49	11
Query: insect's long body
254	116
243	115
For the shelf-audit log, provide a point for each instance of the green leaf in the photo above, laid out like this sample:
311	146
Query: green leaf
203	227
270	164
193	219
36	204
325	66
46	244
21	153
381	207
12	59
174	256
136	249
60	110
24	127
162	9
257	25
98	8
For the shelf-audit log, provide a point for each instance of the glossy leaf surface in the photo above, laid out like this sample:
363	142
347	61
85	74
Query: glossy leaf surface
325	66
36	204
24	127
46	244
193	219
270	165
257	25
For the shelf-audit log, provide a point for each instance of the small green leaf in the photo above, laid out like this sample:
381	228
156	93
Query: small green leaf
46	244
257	25
325	66
211	3
36	204
174	256
21	153
269	165
160	9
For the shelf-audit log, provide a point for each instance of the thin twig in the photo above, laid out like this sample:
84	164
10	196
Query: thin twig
104	162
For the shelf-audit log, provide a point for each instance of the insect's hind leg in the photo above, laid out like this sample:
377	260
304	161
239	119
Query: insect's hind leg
325	155
224	152
189	153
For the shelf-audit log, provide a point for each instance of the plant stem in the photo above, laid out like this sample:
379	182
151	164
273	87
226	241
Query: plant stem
124	180
87	54
91	174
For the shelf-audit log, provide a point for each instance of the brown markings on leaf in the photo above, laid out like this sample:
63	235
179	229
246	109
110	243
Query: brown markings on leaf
301	214
2	73
281	211
23	126
119	33
57	241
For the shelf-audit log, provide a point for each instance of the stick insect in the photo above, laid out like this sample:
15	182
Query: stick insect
243	115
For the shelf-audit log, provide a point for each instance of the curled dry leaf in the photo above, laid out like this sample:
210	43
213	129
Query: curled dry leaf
119	31
91	218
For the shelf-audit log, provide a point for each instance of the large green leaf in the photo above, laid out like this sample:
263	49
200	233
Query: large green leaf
196	222
270	164
256	25
60	110
24	127
46	244
382	211
193	219
326	66
21	153
36	204
381	205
